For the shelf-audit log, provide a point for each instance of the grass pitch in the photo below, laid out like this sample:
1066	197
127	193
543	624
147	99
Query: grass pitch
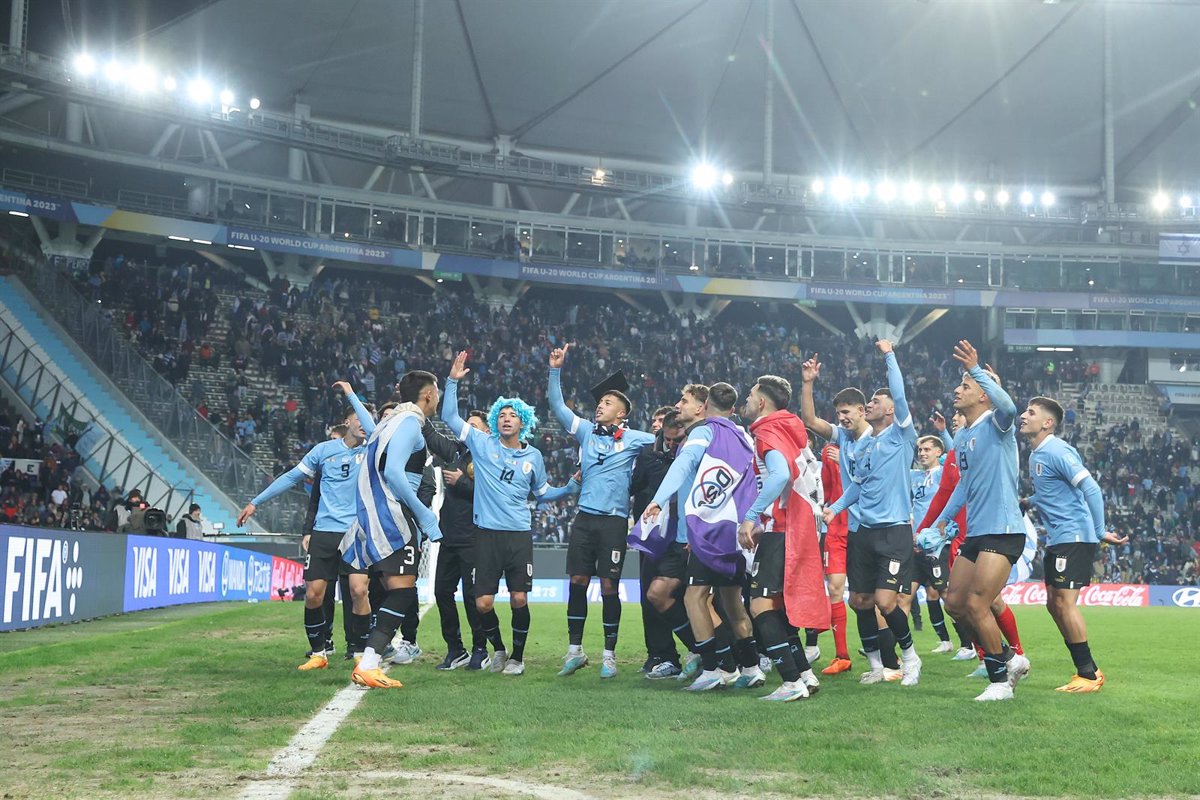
192	701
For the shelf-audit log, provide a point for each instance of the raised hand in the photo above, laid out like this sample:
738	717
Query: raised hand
810	370
344	386
884	346
459	370
557	356
939	422
966	354
1113	538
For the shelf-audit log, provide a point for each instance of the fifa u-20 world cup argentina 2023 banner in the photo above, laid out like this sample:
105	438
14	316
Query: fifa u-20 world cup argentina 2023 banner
52	576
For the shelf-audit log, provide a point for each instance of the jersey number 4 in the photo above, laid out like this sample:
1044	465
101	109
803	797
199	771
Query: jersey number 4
506	475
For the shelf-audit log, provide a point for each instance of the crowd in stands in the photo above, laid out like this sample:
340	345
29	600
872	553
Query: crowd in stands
370	331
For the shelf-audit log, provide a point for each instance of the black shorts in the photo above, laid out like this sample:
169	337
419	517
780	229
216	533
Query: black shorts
699	574
597	545
766	573
1009	545
323	561
455	563
503	553
933	572
405	561
1069	565
880	558
673	564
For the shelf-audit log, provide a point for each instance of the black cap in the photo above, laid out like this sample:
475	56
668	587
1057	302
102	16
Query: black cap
617	382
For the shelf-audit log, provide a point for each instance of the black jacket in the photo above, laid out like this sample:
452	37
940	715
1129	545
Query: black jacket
648	473
457	517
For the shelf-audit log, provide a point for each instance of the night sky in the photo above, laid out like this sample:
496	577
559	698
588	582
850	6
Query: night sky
99	25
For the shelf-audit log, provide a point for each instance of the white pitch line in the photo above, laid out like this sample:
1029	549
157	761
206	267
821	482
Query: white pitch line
300	753
538	790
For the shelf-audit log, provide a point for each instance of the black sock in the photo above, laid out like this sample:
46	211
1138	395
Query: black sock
478	640
315	629
676	616
612	619
328	608
412	615
708	653
779	650
938	619
868	629
964	641
360	628
576	613
724	646
491	629
520	629
746	651
997	667
448	614
898	623
1081	654
388	619
887	648
810	637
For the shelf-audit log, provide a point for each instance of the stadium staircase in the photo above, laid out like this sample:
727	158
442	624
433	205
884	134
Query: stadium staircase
1117	403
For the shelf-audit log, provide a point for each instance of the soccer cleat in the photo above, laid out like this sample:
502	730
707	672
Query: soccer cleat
813	654
892	675
873	676
837	665
1081	685
729	678
912	671
1018	669
995	691
980	672
943	647
650	663
663	670
965	654
809	679
478	659
573	663
350	654
406	653
750	678
330	649
498	661
315	661
454	661
691	667
514	667
374	679
788	692
764	665
608	667
707	681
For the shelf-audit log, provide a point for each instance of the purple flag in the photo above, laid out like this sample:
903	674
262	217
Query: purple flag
653	539
719	498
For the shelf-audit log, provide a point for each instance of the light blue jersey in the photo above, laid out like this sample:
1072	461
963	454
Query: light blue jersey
849	450
987	458
682	475
924	484
1066	494
504	476
773	477
339	467
605	461
881	486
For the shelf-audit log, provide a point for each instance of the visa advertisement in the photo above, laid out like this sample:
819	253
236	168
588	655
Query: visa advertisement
167	572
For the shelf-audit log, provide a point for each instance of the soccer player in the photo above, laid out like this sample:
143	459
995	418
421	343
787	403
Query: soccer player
1072	508
338	461
781	443
934	571
385	539
456	557
507	472
710	504
987	461
607	451
846	439
880	553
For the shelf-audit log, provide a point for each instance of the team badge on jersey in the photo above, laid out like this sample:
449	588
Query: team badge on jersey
937	571
893	567
616	556
1060	563
971	444
527	468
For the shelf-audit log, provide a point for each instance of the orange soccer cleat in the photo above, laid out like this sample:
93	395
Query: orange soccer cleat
315	661
837	665
374	679
1078	685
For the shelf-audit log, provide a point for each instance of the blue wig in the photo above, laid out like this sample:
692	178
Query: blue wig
524	411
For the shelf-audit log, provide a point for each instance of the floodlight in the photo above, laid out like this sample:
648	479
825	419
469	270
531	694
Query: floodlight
199	90
1047	199
1160	201
113	71
727	178
141	78
817	186
704	176
935	193
84	64
226	97
1026	198
863	190
957	194
1185	201
170	84
886	191
980	195
841	188
912	192
255	104
1002	197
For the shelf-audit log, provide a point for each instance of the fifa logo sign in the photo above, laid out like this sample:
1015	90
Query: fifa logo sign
41	577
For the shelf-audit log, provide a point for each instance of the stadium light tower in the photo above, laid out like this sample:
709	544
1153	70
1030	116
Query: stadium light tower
84	64
1047	199
817	187
704	176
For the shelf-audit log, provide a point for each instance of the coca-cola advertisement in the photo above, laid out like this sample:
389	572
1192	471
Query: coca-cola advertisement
285	574
1112	595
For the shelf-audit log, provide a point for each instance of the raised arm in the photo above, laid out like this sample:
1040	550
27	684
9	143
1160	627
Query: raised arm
364	417
458	425
809	372
403	443
307	468
572	423
1004	410
903	417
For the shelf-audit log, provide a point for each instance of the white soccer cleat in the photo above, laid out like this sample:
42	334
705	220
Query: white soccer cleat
750	678
514	667
406	653
943	647
608	667
788	692
691	667
912	671
995	691
813	654
809	679
873	676
964	654
706	682
1018	669
499	661
729	678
